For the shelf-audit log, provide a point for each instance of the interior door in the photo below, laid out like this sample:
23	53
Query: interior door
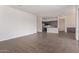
62	24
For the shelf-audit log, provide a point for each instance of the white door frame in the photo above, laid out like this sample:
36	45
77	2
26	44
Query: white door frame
77	20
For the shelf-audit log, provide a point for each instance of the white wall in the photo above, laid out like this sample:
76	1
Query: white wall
15	23
70	20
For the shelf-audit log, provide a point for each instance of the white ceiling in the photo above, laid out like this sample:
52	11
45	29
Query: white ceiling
44	10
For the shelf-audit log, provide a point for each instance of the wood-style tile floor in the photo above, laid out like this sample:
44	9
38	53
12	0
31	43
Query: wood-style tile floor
41	43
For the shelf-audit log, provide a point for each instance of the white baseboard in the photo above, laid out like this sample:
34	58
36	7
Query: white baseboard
17	36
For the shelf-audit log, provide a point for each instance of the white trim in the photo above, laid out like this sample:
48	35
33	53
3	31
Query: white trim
65	23
17	36
58	24
77	29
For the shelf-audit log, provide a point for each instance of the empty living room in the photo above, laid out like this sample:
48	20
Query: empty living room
39	29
